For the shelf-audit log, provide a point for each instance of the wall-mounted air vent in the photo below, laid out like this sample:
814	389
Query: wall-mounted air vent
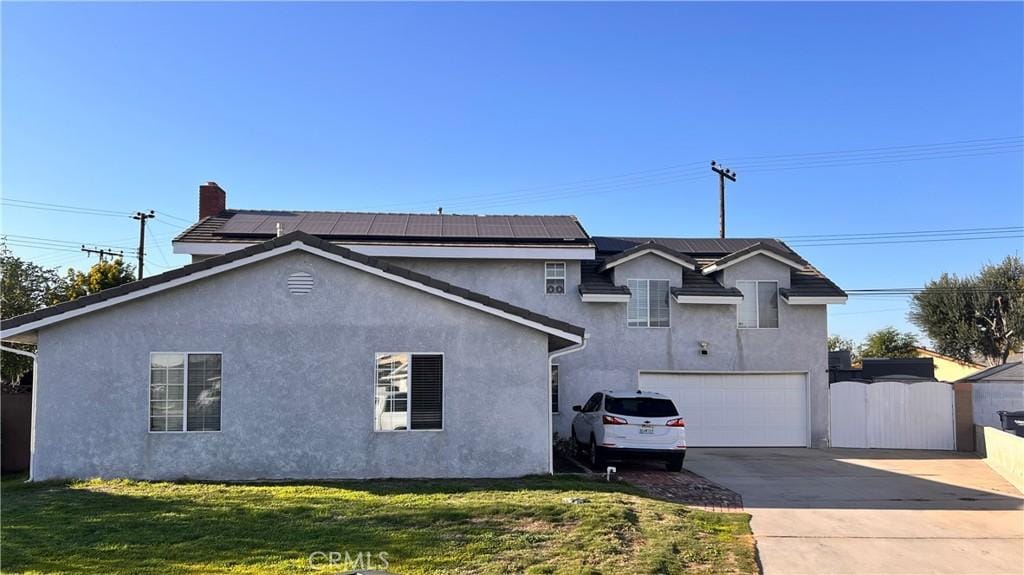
300	283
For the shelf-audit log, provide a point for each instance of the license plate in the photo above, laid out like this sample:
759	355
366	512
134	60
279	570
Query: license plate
647	428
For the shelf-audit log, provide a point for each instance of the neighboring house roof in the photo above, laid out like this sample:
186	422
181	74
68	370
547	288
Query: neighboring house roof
806	281
651	247
934	354
247	226
1012	371
565	332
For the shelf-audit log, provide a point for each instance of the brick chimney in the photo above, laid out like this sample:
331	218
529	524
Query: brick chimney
212	199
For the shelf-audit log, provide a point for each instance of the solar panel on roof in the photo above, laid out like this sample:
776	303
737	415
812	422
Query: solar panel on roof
352	224
318	223
424	225
389	225
459	226
494	227
269	225
242	224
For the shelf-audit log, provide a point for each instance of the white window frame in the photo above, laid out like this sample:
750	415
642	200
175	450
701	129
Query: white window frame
648	284
184	399
564	277
757	304
408	395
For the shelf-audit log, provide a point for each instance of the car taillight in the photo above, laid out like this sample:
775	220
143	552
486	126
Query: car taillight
677	422
612	420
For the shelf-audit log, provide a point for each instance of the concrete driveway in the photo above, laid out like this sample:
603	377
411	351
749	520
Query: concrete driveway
872	511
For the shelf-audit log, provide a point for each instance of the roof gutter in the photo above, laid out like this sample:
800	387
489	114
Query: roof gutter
551	416
32	425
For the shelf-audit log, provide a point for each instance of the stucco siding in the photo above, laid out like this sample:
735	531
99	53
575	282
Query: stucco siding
615	354
298	376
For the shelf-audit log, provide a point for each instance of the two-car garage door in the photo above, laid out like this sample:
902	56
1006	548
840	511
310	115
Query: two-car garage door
737	409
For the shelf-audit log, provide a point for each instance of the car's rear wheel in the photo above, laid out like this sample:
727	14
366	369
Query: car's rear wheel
674	463
596	456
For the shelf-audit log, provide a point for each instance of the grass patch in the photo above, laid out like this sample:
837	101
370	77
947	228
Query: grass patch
424	526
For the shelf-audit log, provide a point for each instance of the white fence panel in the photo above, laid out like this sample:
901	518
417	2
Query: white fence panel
848	414
893	415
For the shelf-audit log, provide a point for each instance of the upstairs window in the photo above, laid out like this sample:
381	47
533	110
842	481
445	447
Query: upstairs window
648	303
760	306
184	391
554	278
408	392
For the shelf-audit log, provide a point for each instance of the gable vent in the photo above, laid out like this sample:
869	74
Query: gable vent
300	283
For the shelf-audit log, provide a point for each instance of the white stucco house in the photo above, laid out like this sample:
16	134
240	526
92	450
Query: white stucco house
342	344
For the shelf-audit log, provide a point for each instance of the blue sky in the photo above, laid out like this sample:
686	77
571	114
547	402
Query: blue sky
491	107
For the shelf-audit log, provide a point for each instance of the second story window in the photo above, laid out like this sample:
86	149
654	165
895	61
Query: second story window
648	303
554	278
760	306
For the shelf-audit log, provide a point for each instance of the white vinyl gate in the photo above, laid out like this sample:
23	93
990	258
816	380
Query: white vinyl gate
892	415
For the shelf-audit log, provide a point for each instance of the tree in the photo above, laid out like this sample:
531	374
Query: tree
839	343
889	342
102	275
24	288
978	315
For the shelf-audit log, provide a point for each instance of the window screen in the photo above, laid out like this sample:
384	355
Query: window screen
554	278
760	306
409	392
767	304
166	391
648	303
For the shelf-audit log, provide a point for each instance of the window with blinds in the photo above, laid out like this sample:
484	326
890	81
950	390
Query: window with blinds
648	304
184	391
409	392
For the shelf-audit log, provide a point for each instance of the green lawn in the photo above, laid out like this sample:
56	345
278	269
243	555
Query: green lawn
493	526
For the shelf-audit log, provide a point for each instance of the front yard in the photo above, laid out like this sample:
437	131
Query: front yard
493	526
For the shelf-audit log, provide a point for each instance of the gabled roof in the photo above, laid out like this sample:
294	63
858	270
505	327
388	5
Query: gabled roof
760	248
651	247
248	226
1011	371
562	333
698	286
807	283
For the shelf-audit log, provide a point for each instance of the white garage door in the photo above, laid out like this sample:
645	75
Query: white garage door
737	410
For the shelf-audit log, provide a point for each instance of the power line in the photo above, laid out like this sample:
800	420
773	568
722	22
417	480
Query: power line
909	241
900	233
764	163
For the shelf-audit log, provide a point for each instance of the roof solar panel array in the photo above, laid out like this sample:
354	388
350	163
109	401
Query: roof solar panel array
340	224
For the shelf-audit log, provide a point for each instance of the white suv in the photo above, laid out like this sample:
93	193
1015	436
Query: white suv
630	424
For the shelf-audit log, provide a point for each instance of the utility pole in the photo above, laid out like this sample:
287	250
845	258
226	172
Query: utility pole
723	174
142	217
102	253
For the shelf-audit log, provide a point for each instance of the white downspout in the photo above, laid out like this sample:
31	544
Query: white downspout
32	421
551	416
